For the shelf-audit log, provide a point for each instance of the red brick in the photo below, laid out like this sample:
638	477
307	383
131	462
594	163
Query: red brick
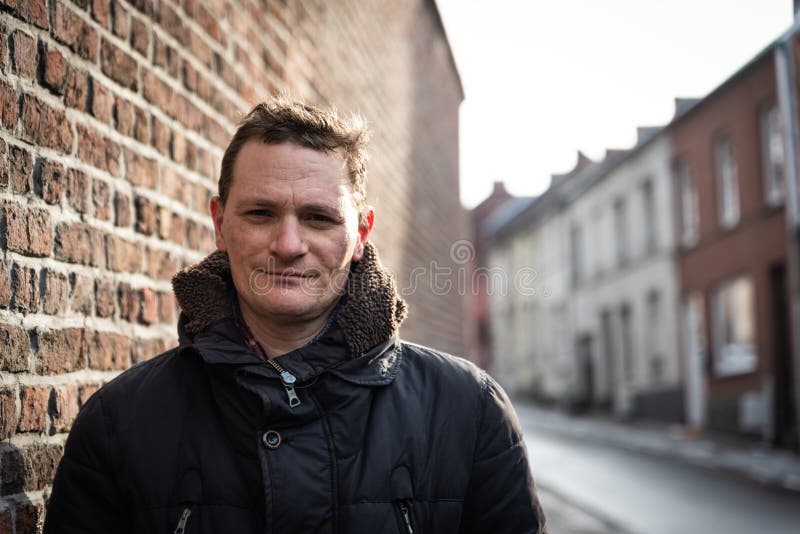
122	210
141	170
173	184
86	391
24	289
161	264
189	77
97	150
140	36
79	243
119	65
104	291
172	22
5	286
12	472
29	468
148	7
194	234
178	147
30	516
161	137
78	189
8	413
54	71
150	306
20	166
124	116
101	198
102	102
16	347
209	23
60	351
28	230
154	90
122	25
130	305
82	292
24	54
147	348
109	351
164	222
9	106
178	229
166	307
123	256
146	220
65	407
43	125
33	408
74	32
77	91
141	130
56	293
51	181
101	12
33	11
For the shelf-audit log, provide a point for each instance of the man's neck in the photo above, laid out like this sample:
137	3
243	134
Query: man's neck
277	338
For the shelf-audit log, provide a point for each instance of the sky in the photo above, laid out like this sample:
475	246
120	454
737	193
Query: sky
546	78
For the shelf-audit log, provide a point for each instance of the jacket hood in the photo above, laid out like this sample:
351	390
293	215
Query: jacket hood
370	315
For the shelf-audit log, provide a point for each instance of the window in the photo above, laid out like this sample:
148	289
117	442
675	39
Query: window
690	214
727	182
772	148
734	327
650	216
576	253
621	230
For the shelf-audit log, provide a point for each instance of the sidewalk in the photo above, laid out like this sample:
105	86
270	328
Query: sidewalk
757	462
564	517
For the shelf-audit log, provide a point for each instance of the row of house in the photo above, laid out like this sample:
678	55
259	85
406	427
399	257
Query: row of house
660	284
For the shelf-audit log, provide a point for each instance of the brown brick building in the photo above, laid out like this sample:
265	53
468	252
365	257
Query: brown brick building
730	190
113	118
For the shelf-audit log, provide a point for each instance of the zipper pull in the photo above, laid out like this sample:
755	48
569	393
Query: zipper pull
181	528
406	513
288	380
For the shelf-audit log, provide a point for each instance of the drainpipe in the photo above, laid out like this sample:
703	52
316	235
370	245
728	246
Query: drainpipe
786	78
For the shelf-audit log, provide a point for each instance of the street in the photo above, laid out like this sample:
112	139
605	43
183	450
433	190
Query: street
643	494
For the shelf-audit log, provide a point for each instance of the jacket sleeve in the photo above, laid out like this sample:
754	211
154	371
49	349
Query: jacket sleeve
85	497
501	496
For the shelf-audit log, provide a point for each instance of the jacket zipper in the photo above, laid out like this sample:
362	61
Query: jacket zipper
181	527
288	380
405	514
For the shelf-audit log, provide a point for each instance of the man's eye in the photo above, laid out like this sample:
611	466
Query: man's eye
318	217
259	213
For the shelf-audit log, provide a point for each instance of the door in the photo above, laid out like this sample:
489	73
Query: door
694	351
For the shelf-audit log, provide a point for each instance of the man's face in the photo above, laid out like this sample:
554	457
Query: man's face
290	228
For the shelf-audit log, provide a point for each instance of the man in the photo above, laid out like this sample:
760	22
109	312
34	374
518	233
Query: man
290	404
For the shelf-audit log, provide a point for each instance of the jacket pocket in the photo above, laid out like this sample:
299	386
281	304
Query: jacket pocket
180	528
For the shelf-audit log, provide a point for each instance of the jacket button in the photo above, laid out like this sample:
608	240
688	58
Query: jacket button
271	439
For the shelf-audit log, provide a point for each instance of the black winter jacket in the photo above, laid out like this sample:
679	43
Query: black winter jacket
397	438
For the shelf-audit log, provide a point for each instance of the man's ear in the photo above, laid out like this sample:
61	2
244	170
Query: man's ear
217	208
365	221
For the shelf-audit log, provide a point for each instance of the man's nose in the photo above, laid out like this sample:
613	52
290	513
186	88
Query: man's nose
288	242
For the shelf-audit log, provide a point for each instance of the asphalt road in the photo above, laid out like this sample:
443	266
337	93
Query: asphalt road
643	494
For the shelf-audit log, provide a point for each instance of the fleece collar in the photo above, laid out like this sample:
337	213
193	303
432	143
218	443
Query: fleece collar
370	316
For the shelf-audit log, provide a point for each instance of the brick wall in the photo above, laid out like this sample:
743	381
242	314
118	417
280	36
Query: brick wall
113	118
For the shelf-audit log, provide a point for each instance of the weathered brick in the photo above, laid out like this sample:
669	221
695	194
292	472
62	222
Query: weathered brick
74	32
24	289
5	286
178	229
140	36
141	131
161	264
123	215
28	230
65	407
146	221
30	516
33	11
60	351
150	306
9	106
148	7
121	20
43	125
86	391
54	71
166	307
124	117
119	65
105	291
178	147
173	184
164	222
81	293
141	170
123	256
172	22
109	351
209	23
79	243
20	166
130	305
56	293
77	91
101	101
194	236
12	472
33	408
101	198
16	346
97	150
189	77
78	189
29	468
8	413
24	54
154	90
147	348
101	12
50	181
161	136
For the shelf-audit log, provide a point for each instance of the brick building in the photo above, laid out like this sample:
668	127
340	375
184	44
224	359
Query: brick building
114	115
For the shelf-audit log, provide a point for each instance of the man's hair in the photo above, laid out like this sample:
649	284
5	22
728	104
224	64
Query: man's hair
282	120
